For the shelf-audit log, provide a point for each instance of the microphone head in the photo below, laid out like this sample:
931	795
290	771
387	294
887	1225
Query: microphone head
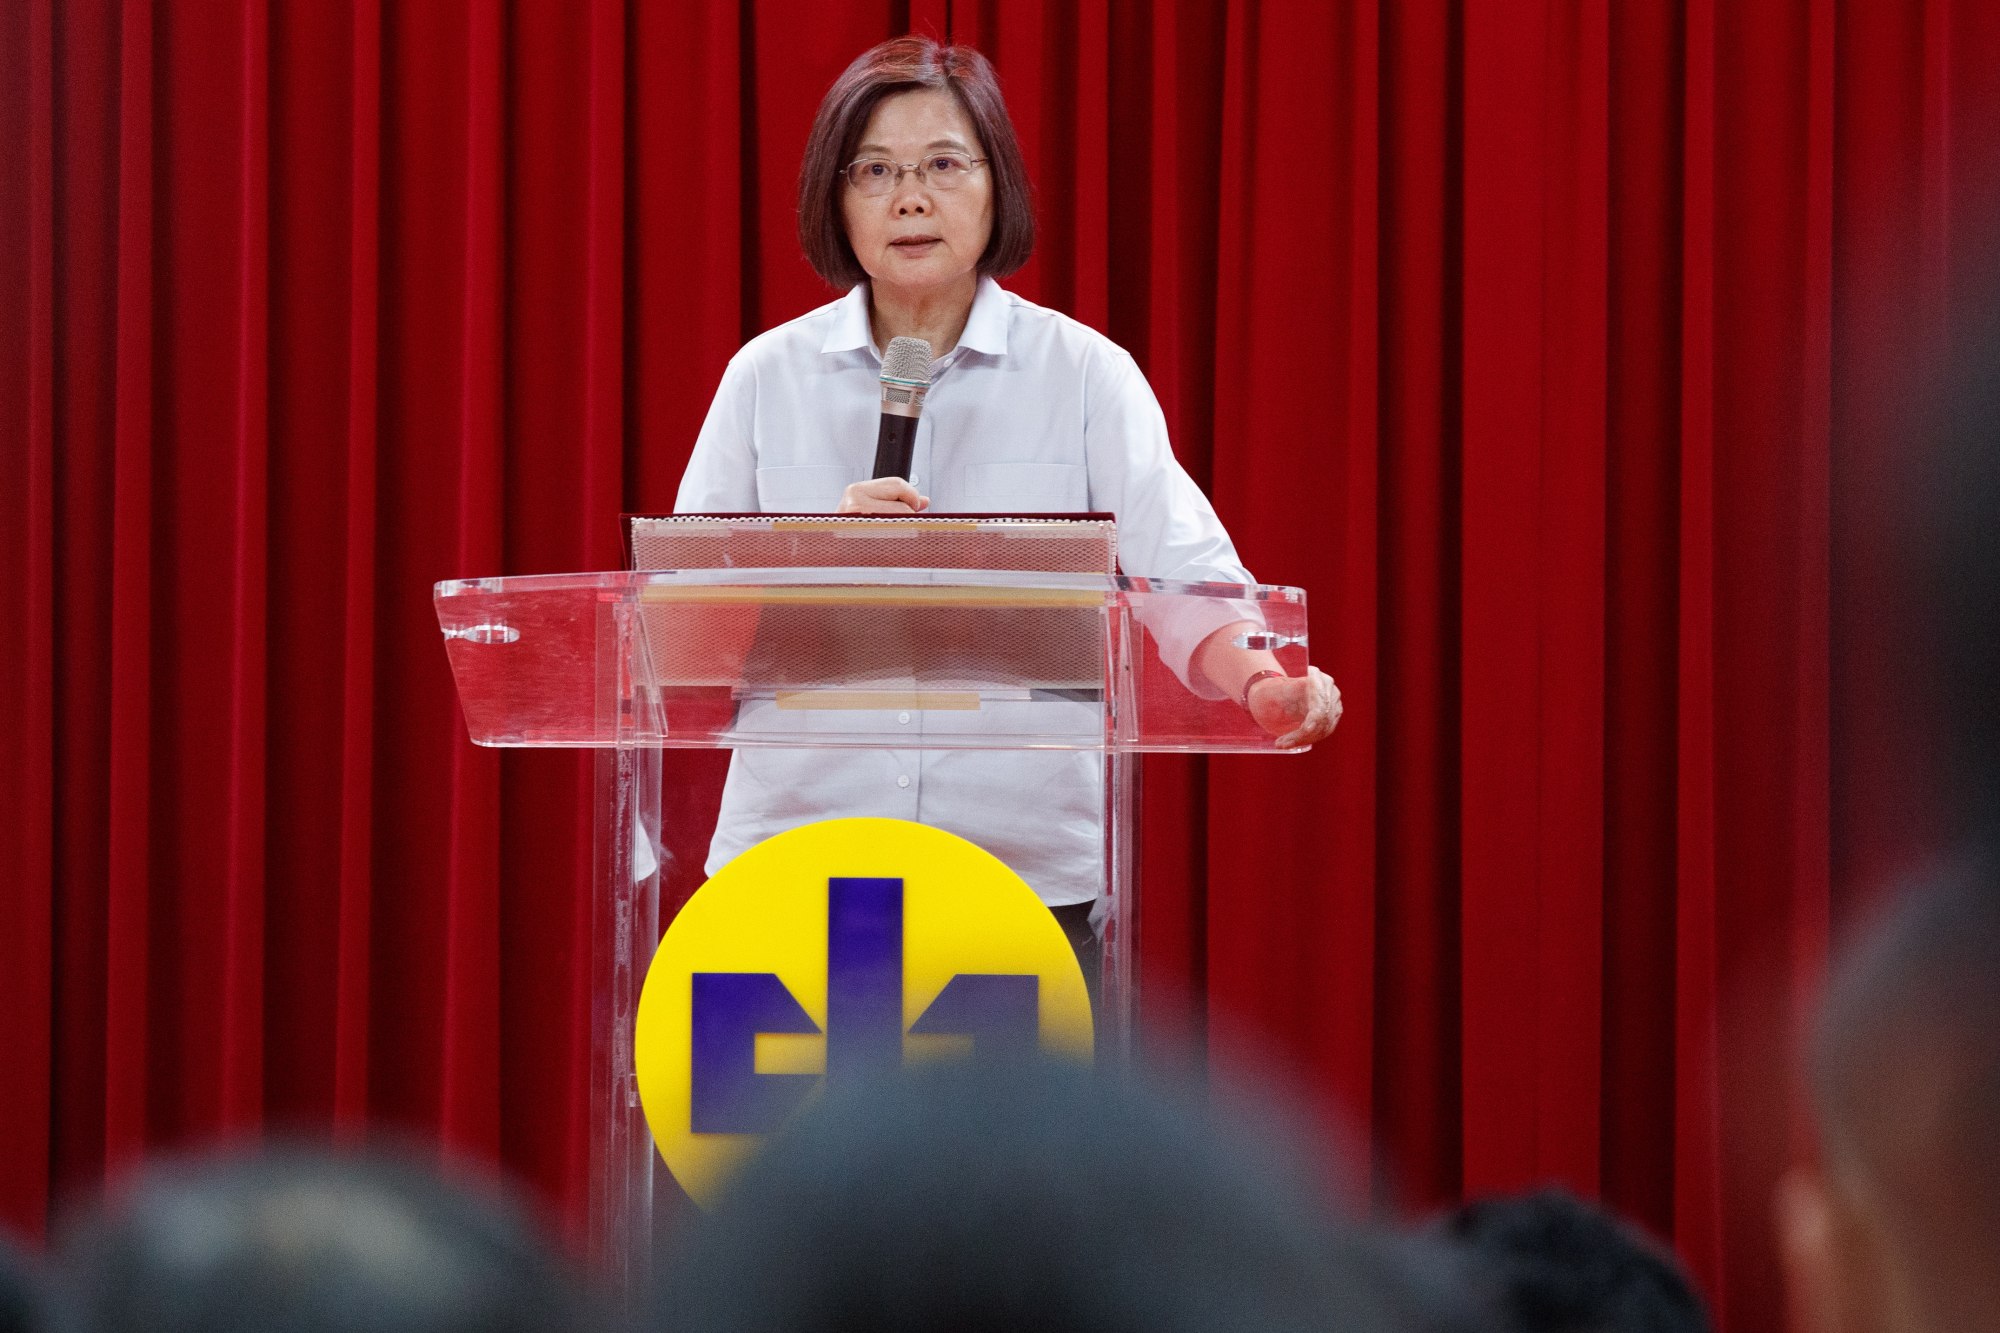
907	359
906	376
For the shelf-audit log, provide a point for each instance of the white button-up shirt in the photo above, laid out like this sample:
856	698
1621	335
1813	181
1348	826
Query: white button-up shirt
1031	413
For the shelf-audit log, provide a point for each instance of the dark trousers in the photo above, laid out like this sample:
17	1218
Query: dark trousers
1074	918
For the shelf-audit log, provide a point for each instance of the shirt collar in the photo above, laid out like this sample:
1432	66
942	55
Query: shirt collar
849	330
985	326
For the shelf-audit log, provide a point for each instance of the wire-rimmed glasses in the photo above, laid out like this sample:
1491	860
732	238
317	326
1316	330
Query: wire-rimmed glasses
876	176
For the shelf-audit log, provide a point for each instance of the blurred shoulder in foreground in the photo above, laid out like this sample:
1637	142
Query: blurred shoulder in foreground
293	1241
970	1197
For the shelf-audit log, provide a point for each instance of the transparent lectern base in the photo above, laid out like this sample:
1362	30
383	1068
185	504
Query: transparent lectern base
675	807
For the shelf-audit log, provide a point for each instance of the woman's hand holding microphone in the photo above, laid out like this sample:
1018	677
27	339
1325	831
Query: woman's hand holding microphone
883	495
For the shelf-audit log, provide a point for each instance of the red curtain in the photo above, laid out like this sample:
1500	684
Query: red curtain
1540	341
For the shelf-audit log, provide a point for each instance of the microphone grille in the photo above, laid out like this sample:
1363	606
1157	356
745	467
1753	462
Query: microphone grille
907	359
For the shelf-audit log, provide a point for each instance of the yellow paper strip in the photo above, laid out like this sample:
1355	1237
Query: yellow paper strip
929	701
940	596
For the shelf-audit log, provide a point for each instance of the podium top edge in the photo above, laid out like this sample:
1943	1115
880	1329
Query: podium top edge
647	584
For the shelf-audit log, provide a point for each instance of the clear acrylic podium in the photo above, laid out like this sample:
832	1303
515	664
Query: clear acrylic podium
945	672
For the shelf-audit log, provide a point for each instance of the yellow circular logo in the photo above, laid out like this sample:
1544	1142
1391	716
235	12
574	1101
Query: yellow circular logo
828	952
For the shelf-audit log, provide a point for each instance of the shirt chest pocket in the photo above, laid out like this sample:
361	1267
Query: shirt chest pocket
1026	488
800	490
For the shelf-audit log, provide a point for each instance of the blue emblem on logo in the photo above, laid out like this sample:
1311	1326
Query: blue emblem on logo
1000	1012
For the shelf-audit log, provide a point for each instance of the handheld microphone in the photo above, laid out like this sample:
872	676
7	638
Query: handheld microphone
906	378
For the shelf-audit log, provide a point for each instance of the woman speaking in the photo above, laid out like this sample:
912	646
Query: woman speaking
913	197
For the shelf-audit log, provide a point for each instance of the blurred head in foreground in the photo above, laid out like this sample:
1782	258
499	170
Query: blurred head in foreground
1949	534
968	1197
1554	1264
20	1291
1898	1227
293	1242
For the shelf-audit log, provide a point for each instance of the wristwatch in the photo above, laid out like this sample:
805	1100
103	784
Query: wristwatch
1251	684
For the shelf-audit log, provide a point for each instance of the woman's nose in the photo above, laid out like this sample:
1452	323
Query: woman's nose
911	201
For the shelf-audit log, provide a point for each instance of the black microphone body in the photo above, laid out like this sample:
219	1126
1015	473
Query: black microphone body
895	443
906	378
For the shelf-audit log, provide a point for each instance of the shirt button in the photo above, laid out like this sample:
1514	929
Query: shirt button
903	717
903	780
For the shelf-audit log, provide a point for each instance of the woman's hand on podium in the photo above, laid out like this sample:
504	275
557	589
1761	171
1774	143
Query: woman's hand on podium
1298	710
883	495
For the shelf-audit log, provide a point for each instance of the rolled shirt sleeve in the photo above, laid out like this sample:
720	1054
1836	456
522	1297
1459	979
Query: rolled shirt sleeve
1166	527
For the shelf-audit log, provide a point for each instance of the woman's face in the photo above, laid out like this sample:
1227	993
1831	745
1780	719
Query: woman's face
916	238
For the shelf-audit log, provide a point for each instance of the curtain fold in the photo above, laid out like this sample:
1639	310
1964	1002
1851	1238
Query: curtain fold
1696	1194
1416	706
244	888
27	620
352	856
127	1050
1547	345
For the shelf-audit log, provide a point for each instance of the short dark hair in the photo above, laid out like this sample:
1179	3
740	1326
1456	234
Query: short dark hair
21	1303
1029	1196
300	1241
899	65
1555	1264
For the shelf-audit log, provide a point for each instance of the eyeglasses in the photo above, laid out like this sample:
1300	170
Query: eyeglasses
876	176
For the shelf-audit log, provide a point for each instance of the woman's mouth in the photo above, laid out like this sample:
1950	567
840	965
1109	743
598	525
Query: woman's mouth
915	245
